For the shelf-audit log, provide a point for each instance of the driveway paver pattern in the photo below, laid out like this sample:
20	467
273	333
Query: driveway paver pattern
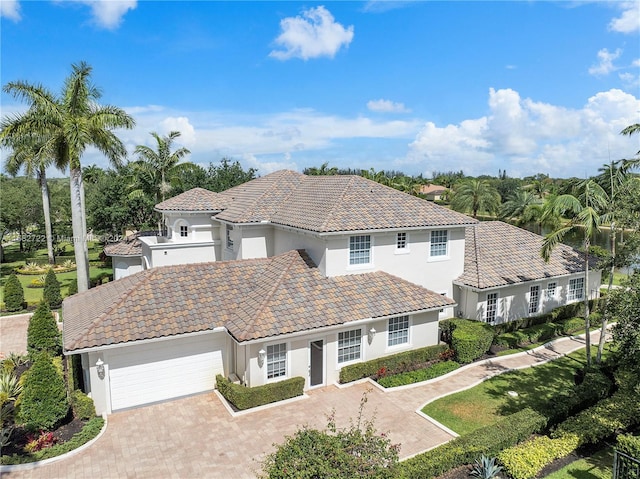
195	437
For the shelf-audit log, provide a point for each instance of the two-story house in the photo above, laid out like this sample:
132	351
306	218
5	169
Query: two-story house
293	275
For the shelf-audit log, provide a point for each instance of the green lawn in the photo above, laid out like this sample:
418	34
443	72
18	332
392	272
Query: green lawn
485	403
598	466
14	259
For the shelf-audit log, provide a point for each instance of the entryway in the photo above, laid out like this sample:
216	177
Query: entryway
316	366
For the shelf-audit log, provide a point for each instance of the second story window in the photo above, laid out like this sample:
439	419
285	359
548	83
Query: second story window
229	237
438	243
184	231
401	241
360	250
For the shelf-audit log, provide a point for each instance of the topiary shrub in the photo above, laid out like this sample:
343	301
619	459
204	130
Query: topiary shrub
51	294
13	294
82	405
73	287
470	339
43	333
43	402
243	397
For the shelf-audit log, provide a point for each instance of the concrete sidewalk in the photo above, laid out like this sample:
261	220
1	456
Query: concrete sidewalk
196	437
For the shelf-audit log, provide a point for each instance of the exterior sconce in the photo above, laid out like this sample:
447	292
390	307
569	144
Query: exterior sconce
100	368
371	334
262	354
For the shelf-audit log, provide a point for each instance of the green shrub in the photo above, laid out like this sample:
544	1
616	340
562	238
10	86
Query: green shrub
89	431
51	294
410	377
470	339
82	405
13	294
488	441
526	460
243	397
629	444
610	416
512	340
571	325
404	361
594	387
43	402
43	333
73	287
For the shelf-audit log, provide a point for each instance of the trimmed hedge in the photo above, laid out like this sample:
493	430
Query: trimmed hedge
424	374
541	332
82	405
526	460
470	339
243	397
396	362
488	440
629	444
43	333
610	416
89	431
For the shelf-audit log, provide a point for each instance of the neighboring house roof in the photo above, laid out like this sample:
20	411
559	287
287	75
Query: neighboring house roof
130	246
331	203
498	254
194	200
433	190
253	299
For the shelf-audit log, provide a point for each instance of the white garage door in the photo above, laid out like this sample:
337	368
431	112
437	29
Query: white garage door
164	370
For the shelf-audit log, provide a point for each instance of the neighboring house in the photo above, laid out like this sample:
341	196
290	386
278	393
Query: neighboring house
433	192
505	277
287	275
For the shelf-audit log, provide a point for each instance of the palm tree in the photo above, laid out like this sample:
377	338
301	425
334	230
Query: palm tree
33	157
323	170
68	124
585	213
158	169
630	130
475	195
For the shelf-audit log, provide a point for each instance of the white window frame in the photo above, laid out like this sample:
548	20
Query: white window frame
438	244
552	288
228	237
352	342
402	242
574	288
271	360
534	295
403	332
494	310
355	241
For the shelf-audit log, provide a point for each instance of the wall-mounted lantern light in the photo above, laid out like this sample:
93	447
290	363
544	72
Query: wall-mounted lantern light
100	368
371	334
262	354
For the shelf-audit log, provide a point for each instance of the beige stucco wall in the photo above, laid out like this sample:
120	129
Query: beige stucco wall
126	265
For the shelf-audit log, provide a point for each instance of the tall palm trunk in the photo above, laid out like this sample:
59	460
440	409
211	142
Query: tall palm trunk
587	325
79	234
46	208
605	319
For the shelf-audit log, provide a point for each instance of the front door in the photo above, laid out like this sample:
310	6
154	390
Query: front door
316	369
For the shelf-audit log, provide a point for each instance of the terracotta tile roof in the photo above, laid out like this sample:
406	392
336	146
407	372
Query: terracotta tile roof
196	199
499	254
433	189
331	204
130	246
253	299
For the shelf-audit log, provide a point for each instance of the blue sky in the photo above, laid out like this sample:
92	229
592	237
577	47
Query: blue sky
418	86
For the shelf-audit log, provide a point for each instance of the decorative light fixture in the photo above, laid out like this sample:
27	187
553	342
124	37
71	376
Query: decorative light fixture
371	334
262	354
100	368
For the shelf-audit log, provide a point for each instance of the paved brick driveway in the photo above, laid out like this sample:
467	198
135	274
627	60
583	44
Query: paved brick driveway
195	437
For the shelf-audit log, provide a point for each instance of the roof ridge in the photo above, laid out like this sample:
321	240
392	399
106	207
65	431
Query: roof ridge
329	214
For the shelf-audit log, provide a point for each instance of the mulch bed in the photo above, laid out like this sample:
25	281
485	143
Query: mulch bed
64	433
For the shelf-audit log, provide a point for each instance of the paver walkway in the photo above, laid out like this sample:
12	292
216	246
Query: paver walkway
13	334
195	437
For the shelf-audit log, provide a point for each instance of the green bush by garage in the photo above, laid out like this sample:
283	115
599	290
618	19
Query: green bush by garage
243	397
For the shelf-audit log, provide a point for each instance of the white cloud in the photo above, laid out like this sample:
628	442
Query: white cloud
605	65
109	13
629	19
10	9
387	106
312	35
181	124
526	137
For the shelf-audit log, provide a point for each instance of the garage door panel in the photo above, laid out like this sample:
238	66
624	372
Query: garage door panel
165	370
